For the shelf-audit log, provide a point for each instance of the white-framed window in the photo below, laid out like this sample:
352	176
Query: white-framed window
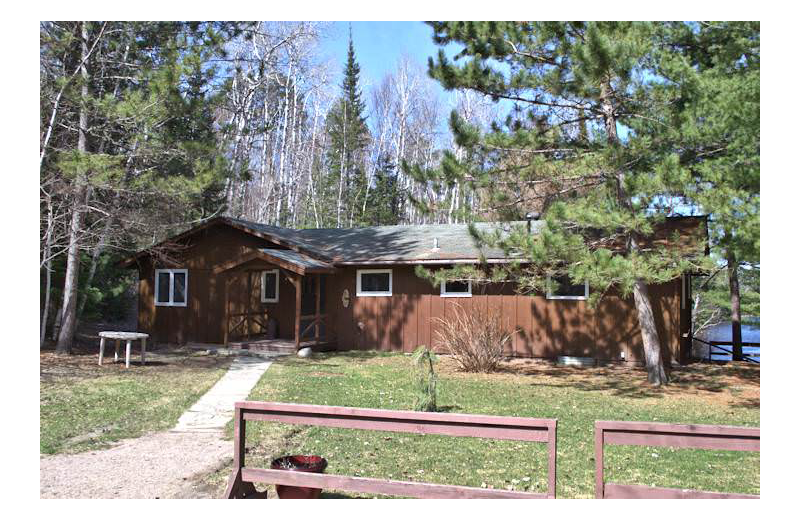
456	289
374	282
563	289
269	286
171	287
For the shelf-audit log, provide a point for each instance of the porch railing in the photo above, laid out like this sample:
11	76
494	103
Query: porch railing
318	325
240	484
242	324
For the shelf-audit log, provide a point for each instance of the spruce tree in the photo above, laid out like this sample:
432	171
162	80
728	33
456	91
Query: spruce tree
570	150
386	198
349	136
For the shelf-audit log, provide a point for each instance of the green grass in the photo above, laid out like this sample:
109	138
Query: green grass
576	397
84	406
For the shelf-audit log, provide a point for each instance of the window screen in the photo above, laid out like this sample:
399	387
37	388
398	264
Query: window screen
270	281
375	282
171	287
456	287
562	287
163	287
179	288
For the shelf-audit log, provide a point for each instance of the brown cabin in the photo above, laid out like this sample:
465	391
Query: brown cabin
243	284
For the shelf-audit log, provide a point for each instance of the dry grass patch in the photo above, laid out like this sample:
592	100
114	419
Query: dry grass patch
85	406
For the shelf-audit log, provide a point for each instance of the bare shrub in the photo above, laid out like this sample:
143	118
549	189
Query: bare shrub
475	340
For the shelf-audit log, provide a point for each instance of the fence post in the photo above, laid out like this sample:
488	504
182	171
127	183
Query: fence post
598	462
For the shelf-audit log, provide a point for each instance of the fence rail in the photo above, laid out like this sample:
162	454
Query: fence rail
721	344
734	438
240	483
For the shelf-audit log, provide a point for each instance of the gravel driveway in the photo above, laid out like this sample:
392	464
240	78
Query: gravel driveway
157	465
162	464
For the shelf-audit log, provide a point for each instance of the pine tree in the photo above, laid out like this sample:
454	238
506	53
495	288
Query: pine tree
569	149
714	128
349	136
145	149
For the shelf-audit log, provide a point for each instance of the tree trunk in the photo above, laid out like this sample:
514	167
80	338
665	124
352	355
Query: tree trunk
656	374
70	298
48	271
652	346
736	311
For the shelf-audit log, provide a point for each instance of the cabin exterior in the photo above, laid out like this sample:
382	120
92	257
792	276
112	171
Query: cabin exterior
238	283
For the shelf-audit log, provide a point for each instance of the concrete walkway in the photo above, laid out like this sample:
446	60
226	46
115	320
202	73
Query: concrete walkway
213	411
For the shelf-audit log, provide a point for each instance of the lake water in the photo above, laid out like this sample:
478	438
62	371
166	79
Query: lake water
722	332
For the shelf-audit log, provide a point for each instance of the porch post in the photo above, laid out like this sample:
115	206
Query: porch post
316	316
298	286
227	312
249	303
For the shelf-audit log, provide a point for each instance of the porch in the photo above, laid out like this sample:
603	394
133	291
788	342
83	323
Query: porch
283	322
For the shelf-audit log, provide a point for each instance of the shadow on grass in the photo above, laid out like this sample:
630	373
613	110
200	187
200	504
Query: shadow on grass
753	403
322	359
333	494
632	381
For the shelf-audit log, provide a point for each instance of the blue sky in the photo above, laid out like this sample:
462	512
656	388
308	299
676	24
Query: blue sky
379	45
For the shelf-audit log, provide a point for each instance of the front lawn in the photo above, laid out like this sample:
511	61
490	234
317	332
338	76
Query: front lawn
575	396
84	406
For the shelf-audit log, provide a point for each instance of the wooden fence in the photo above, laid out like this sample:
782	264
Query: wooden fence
240	484
735	438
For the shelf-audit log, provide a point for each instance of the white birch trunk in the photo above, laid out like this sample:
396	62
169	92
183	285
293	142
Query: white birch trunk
69	304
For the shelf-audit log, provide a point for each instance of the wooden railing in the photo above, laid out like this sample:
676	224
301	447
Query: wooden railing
244	320
735	438
721	344
240	484
318	322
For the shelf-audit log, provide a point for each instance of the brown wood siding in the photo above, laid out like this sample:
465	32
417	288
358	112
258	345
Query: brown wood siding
203	319
406	319
548	328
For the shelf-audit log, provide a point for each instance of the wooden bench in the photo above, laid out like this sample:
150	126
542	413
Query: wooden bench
119	336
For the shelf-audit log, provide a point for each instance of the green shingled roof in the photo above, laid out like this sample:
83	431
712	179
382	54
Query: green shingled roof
390	243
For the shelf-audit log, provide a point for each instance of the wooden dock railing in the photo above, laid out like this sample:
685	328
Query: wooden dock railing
240	484
734	438
720	349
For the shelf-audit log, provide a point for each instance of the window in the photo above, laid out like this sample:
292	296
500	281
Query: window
564	289
269	286
374	282
171	287
456	289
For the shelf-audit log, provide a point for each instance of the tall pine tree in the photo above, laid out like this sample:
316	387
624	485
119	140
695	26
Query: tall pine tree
349	136
713	127
570	149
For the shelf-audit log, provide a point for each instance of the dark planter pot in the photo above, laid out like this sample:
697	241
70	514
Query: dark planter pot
305	463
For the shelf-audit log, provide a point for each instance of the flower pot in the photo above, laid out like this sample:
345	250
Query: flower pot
305	463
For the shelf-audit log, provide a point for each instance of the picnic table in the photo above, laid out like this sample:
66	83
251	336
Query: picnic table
119	336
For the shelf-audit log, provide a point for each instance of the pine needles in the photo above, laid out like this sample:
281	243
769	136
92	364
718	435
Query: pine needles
425	379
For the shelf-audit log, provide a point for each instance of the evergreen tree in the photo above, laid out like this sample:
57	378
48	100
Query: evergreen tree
714	129
386	198
349	136
140	95
570	149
